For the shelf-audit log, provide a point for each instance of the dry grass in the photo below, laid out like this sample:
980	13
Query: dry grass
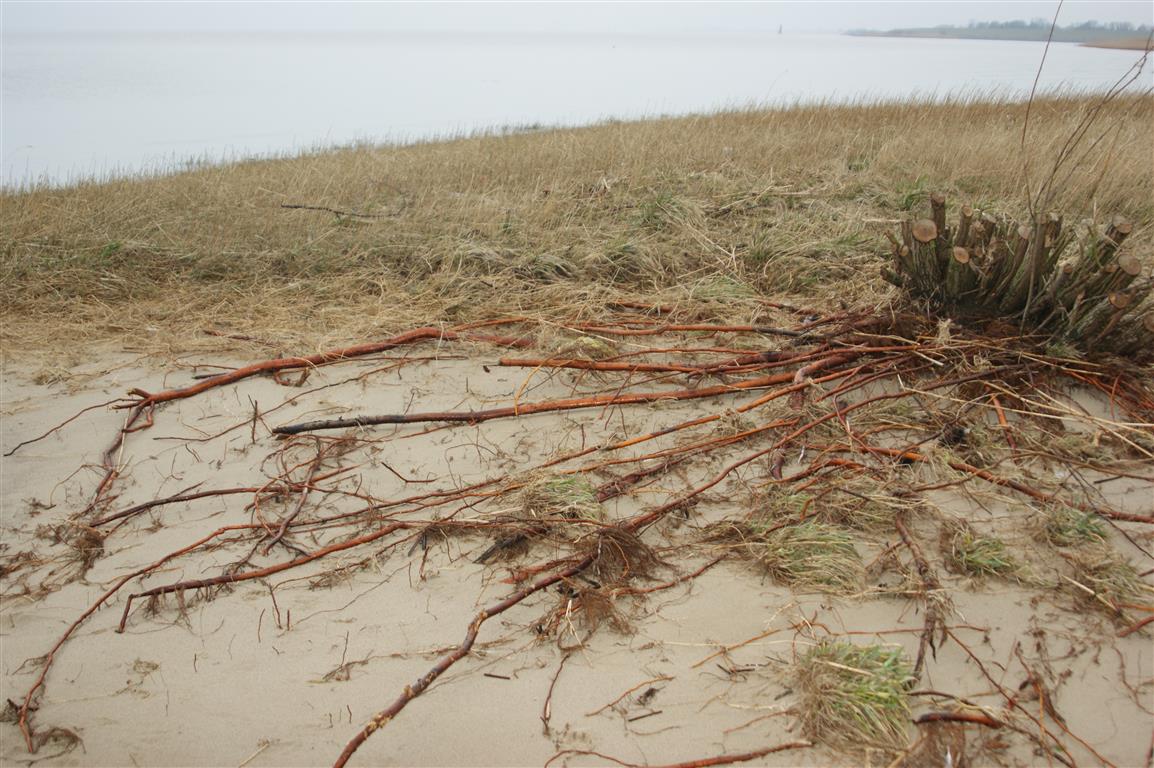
811	556
1101	576
854	697
561	496
1065	526
1124	44
712	211
968	552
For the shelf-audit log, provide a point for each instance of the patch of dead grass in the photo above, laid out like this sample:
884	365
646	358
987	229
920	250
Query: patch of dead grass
855	696
721	209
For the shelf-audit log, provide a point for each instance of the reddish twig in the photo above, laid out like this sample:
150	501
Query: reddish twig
38	684
1136	626
60	426
1005	425
657	330
980	718
671	583
411	692
930	583
1005	482
705	762
260	573
172	500
547	710
108	460
642	684
548	406
312	361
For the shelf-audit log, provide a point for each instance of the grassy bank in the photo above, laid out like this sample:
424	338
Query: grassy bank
1123	44
1039	30
720	209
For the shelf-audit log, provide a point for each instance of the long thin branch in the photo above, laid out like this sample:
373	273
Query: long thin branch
705	762
312	361
411	692
38	684
260	573
475	417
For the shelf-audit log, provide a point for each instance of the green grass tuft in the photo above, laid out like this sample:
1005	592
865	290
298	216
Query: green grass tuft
1112	580
568	496
978	555
853	696
1067	527
812	555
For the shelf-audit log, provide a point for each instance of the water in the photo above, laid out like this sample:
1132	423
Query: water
96	105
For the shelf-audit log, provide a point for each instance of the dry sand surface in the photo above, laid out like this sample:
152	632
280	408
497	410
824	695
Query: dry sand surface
285	669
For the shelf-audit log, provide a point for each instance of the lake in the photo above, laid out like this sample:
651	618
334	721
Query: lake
78	106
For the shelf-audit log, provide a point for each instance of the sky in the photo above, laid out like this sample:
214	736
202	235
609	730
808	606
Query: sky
17	16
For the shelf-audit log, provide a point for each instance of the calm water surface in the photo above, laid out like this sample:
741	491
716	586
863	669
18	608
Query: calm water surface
98	105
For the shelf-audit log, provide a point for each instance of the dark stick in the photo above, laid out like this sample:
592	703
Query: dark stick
333	211
474	417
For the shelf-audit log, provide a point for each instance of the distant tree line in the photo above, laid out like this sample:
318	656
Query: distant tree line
1035	29
1044	24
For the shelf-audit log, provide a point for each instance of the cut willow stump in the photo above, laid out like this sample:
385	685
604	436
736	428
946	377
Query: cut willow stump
988	266
961	277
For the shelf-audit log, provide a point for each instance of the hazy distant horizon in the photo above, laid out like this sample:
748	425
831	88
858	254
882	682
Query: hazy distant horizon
108	87
98	105
659	18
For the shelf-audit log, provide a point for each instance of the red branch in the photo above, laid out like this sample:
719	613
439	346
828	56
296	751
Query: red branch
324	358
25	726
727	759
413	691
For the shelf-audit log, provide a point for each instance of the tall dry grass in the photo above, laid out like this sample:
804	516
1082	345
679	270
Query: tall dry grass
788	203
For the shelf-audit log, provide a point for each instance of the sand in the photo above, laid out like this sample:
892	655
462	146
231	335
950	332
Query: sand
285	670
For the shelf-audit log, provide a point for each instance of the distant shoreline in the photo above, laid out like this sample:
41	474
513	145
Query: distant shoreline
1092	37
1125	44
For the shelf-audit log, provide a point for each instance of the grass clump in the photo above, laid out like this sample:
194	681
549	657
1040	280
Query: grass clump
812	555
778	505
547	268
862	508
968	552
721	288
1066	526
561	496
853	697
657	211
1101	575
584	348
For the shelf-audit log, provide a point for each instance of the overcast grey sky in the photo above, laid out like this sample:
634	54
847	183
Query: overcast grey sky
586	16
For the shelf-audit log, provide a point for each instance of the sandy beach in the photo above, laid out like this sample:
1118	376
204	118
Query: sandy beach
689	651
